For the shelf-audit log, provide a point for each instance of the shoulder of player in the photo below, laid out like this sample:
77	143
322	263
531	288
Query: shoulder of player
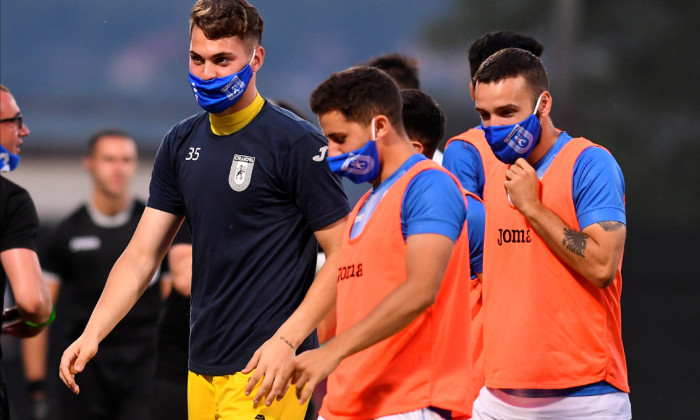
291	127
15	198
436	183
597	159
179	131
10	190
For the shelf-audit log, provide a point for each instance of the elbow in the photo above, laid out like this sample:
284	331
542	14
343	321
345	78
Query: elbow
425	301
603	277
36	307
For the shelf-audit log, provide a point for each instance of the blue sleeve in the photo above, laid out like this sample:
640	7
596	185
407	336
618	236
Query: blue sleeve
164	190
433	203
464	161
317	192
476	217
598	188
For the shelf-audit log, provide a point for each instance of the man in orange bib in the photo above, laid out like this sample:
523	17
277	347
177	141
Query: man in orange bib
554	239
402	343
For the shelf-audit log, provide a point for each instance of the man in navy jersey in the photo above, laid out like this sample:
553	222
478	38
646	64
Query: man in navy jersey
252	180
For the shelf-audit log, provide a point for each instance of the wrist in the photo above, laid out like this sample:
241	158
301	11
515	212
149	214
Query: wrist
45	323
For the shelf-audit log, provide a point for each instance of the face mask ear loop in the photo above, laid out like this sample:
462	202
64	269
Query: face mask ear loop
537	105
374	130
253	57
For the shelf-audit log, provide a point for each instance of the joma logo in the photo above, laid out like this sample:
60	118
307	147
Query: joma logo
513	236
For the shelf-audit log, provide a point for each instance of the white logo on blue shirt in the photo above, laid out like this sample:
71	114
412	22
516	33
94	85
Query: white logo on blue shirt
319	157
241	171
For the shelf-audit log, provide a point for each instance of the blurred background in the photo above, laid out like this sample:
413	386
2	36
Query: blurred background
624	74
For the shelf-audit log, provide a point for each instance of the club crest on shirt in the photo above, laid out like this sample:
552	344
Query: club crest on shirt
241	171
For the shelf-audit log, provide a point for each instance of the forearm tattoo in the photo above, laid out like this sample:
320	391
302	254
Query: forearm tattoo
575	241
610	225
287	342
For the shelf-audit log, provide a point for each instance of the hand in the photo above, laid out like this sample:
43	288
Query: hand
14	325
272	363
10	314
523	186
310	368
74	360
18	328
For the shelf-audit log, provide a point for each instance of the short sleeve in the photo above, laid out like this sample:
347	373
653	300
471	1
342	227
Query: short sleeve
20	223
164	192
464	161
476	218
317	192
53	254
598	188
183	235
433	203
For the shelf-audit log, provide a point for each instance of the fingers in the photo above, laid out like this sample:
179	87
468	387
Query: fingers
66	370
252	364
299	381
306	392
264	388
278	389
257	373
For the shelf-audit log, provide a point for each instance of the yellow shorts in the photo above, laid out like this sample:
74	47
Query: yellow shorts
223	398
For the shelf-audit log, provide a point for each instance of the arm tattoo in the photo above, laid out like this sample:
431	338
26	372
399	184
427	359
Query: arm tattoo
575	241
610	225
287	342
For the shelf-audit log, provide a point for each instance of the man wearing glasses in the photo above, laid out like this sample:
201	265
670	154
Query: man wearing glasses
18	228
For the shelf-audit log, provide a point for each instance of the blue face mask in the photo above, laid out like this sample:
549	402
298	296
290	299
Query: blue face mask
8	161
219	94
361	165
513	141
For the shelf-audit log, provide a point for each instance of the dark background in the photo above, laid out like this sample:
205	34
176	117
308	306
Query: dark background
624	74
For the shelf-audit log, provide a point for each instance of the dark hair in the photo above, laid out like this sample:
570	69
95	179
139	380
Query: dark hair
289	107
359	93
492	42
108	132
514	62
402	68
423	120
227	18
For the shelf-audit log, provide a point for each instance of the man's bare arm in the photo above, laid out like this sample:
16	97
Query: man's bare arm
127	281
273	359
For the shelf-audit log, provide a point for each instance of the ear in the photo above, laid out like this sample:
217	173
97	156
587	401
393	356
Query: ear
87	163
381	125
471	89
417	146
545	104
258	59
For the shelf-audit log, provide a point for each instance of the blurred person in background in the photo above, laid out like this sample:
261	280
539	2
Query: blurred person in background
174	332
19	263
78	257
400	67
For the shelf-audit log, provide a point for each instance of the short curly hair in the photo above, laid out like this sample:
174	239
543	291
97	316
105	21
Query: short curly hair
359	93
227	18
